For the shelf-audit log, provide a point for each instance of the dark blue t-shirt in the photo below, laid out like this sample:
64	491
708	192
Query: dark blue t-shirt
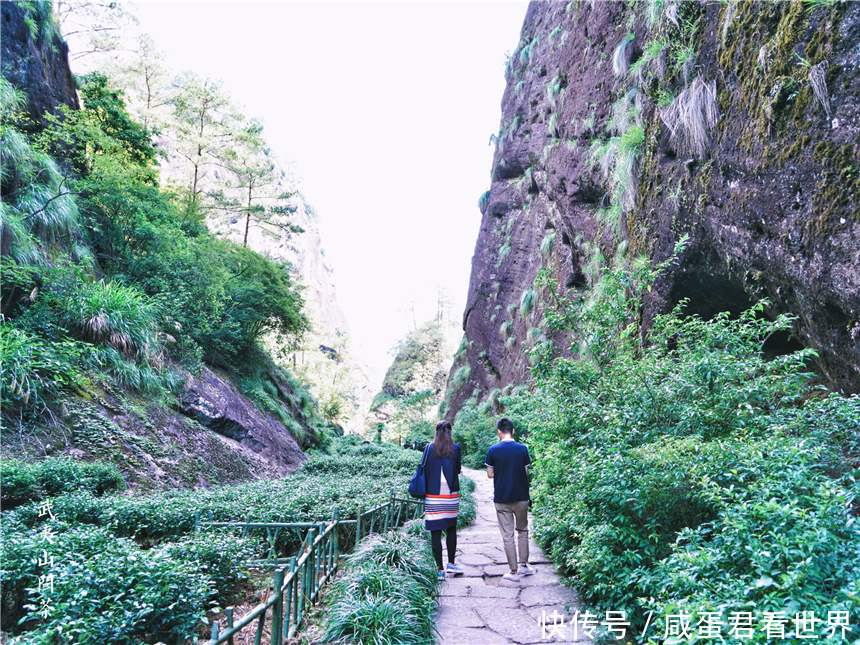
508	460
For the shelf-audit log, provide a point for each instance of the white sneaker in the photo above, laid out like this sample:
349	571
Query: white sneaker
513	577
525	570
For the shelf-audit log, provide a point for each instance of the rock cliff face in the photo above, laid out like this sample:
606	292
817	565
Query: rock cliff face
736	123
215	403
214	435
37	61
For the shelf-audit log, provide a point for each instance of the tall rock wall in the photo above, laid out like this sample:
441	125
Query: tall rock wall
35	59
736	123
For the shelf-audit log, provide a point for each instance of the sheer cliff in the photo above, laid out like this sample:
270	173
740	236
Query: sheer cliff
626	125
35	58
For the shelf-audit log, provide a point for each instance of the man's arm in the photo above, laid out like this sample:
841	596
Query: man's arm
490	472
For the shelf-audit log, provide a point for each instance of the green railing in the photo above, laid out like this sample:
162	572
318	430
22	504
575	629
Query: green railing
299	579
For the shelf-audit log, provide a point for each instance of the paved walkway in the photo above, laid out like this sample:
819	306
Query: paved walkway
480	608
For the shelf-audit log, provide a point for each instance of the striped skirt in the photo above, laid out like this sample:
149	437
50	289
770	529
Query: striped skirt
440	511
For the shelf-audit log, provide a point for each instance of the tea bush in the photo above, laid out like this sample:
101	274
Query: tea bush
32	481
107	588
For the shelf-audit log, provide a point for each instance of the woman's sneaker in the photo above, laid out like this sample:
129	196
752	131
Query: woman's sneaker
454	569
513	577
525	570
442	575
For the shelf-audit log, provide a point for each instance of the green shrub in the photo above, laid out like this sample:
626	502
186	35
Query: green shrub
105	588
34	370
28	481
304	496
103	573
108	313
468	512
219	554
687	471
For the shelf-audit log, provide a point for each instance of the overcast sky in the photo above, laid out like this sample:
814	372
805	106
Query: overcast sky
386	110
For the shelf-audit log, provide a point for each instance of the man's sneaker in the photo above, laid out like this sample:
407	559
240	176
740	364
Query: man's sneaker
513	577
525	570
441	575
454	569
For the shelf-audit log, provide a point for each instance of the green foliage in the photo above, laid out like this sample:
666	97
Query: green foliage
468	512
109	589
72	326
110	314
546	245
106	589
386	594
475	433
306	495
35	370
364	460
32	481
41	21
106	107
172	290
38	205
422	360
527	302
687	471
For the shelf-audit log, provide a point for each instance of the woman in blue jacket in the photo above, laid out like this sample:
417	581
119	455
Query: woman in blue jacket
442	500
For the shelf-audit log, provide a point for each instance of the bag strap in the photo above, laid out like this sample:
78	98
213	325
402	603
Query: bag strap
424	458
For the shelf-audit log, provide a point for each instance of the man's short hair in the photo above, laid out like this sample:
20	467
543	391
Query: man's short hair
505	425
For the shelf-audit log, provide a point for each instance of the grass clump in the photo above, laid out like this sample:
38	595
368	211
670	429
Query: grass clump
692	115
387	593
461	376
546	245
621	56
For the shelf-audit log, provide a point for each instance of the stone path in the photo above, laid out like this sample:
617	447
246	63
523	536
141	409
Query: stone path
480	608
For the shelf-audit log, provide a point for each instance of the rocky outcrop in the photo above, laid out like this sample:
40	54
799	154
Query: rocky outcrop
36	61
736	123
214	402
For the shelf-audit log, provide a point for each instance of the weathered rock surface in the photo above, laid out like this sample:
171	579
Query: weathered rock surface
771	207
39	68
214	402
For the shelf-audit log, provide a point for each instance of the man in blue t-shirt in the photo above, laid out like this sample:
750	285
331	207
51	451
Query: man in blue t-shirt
507	465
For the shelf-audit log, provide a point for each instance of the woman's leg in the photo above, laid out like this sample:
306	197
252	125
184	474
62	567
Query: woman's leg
451	542
436	542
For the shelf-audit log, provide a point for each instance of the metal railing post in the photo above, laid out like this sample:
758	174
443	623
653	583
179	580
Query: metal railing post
336	546
278	608
291	598
229	612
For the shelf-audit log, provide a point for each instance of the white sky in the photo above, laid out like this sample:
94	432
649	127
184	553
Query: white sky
386	110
